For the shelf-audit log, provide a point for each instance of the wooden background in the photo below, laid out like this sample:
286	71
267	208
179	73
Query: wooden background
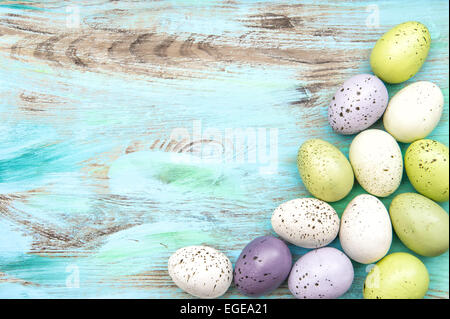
95	191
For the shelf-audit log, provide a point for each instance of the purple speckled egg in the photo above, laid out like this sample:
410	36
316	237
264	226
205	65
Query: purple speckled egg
324	273
262	266
357	104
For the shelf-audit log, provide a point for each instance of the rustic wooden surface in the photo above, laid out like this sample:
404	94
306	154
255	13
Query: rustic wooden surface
90	185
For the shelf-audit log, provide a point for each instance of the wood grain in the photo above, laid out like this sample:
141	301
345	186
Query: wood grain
95	182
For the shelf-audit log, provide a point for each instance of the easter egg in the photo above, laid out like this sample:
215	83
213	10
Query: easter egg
414	111
357	104
262	266
201	271
325	171
400	53
324	273
377	162
426	164
421	224
306	222
397	276
366	232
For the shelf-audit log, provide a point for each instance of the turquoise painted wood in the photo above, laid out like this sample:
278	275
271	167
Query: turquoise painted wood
121	122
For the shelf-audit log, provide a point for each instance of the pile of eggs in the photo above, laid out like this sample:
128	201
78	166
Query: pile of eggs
365	227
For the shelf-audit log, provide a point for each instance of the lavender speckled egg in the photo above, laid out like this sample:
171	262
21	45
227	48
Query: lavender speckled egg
262	266
357	104
324	273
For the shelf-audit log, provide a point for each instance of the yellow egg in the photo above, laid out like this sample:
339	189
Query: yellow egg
397	276
427	167
401	52
421	224
325	171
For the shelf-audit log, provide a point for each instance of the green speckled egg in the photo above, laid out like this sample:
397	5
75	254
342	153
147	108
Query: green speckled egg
325	171
400	52
397	276
421	224
426	164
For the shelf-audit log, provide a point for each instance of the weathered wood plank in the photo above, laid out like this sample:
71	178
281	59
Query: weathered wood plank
92	178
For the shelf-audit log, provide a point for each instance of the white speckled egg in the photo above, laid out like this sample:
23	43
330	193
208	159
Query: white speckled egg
366	230
414	111
306	222
201	271
377	162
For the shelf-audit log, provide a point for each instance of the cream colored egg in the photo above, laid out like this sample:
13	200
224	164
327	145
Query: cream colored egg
201	271
414	111
366	231
377	162
306	222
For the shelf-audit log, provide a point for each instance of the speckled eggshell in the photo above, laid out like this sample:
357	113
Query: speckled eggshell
357	104
366	231
421	224
201	271
325	171
397	276
426	164
324	273
262	266
400	52
414	111
377	162
306	222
